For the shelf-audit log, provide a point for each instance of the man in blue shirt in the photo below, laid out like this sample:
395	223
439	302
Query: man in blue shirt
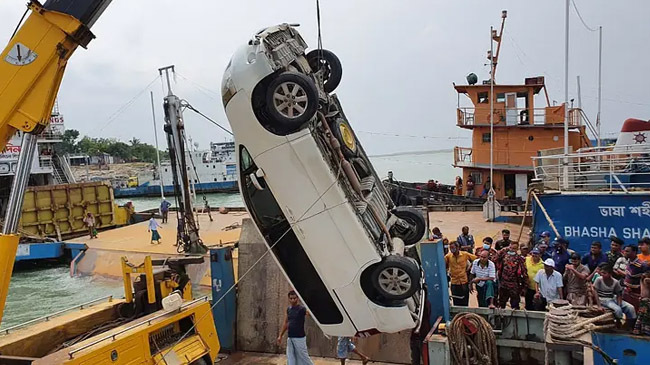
294	322
164	209
466	240
594	257
560	254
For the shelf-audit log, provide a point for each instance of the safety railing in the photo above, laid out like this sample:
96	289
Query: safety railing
463	157
611	168
45	163
136	325
471	116
67	171
56	314
50	136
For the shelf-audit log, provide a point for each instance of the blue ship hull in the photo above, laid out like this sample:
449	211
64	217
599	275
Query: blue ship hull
586	217
154	190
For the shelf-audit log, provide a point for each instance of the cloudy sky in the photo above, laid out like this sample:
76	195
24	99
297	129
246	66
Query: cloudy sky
399	59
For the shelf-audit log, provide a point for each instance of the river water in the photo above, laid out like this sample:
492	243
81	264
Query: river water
40	291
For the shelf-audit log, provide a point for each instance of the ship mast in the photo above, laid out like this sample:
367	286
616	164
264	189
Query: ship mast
491	204
565	179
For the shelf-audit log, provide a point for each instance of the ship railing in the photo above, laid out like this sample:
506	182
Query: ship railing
463	156
56	314
471	116
45	162
50	136
147	322
610	168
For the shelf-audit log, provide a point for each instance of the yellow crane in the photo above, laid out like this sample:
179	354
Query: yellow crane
31	70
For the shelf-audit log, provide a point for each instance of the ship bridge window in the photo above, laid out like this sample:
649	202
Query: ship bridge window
487	138
501	98
483	98
477	177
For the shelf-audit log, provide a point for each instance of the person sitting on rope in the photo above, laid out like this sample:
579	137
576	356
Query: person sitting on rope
576	276
610	296
549	285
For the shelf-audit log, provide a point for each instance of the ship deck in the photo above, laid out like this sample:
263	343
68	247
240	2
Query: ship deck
134	241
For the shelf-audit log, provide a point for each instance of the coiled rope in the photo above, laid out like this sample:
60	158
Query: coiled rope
472	341
565	323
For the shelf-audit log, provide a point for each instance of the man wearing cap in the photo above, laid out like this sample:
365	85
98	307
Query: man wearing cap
504	241
615	250
576	275
545	238
534	263
560	254
595	256
548	284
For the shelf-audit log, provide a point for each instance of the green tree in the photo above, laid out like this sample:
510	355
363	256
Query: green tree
68	145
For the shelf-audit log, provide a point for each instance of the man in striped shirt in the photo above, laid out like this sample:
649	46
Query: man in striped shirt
610	295
484	273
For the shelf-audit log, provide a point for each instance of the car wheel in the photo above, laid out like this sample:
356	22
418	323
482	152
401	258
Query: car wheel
416	225
343	133
322	59
291	101
396	277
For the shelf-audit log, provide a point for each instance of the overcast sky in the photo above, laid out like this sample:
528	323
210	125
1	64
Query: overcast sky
399	60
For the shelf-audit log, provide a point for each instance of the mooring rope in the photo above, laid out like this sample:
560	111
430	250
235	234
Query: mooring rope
469	346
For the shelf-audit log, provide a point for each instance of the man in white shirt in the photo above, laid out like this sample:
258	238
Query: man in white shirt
484	273
549	284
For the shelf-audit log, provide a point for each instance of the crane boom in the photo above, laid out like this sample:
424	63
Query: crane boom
31	70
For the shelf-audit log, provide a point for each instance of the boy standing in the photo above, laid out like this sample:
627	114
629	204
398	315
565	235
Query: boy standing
343	348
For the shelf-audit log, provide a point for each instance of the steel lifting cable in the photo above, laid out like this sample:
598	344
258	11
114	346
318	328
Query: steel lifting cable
190	107
472	340
300	219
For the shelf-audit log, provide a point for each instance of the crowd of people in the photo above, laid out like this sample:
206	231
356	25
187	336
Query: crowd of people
502	272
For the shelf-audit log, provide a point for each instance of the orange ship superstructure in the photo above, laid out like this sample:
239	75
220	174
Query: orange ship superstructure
521	129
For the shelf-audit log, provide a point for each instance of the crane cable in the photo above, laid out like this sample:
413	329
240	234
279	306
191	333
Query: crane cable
190	107
301	218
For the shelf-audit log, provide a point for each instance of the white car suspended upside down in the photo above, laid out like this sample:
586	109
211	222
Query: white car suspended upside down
313	193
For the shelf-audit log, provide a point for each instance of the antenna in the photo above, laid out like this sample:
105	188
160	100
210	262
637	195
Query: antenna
497	38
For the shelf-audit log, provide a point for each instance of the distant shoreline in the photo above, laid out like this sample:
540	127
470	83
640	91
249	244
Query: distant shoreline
412	153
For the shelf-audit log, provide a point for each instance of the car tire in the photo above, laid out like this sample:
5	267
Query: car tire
291	101
416	221
322	59
343	133
396	277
